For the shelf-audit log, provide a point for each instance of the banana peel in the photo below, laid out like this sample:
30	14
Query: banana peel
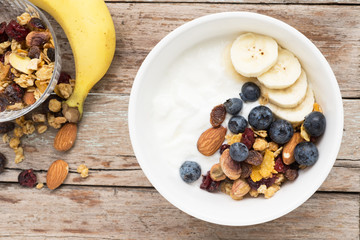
90	30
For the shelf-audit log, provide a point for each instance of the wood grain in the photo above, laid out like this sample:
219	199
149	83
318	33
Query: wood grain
243	1
141	26
118	213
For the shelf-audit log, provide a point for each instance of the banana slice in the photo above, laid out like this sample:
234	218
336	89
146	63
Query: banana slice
295	115
284	73
289	97
253	54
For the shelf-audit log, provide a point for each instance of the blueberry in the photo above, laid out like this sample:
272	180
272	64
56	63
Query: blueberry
306	153
260	117
233	105
238	152
237	124
250	92
190	171
315	124
281	131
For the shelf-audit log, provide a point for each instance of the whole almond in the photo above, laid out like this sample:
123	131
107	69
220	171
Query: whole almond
29	98
211	140
288	151
66	136
56	174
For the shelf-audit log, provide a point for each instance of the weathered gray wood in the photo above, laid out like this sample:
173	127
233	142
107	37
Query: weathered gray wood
117	213
244	1
335	30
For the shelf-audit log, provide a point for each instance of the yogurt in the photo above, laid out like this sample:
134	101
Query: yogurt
201	78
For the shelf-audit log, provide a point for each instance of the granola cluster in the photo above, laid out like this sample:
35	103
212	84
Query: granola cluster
27	57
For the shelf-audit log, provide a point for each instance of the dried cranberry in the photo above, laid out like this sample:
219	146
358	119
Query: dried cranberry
208	184
2	162
14	93
291	174
6	127
267	182
34	52
15	31
37	24
252	184
51	54
248	138
3	102
27	178
224	147
280	167
64	78
3	36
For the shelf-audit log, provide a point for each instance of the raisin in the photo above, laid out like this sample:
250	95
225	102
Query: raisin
64	78
248	138
36	24
34	52
252	184
51	54
2	162
217	115
14	93
267	182
291	174
208	184
280	167
27	178
6	127
245	170
3	102
15	31
3	36
255	158
224	147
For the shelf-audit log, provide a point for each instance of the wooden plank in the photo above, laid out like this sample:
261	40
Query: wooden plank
141	26
112	148
110	213
242	1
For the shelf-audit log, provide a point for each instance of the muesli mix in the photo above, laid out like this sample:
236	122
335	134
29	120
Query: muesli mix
276	140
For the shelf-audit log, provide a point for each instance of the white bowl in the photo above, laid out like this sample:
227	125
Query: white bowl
220	208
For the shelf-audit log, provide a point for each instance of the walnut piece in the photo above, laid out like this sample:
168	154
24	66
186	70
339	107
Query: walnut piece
14	142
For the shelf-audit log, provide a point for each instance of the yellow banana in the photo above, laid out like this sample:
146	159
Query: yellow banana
90	29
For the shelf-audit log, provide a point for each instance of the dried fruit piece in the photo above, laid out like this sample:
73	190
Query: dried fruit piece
216	173
248	138
291	174
65	138
3	36
56	174
36	24
37	38
255	158
288	151
223	148
231	168
64	78
280	167
2	162
27	178
14	93
208	184
50	53
15	31
6	127
34	52
245	170
211	140
239	189
217	115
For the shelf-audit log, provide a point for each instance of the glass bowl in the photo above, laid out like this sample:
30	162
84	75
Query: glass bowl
9	10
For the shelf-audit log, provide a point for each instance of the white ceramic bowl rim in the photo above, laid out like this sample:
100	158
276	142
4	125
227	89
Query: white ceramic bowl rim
134	136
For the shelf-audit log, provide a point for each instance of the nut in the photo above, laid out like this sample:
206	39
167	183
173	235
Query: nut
216	173
65	138
29	98
37	38
72	114
304	134
231	168
225	186
289	147
239	189
255	158
56	174
211	140
217	115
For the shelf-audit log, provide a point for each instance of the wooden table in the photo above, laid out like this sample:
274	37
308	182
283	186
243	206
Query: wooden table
116	201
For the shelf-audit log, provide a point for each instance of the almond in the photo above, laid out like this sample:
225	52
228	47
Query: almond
56	174
29	98
66	136
288	151
211	140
